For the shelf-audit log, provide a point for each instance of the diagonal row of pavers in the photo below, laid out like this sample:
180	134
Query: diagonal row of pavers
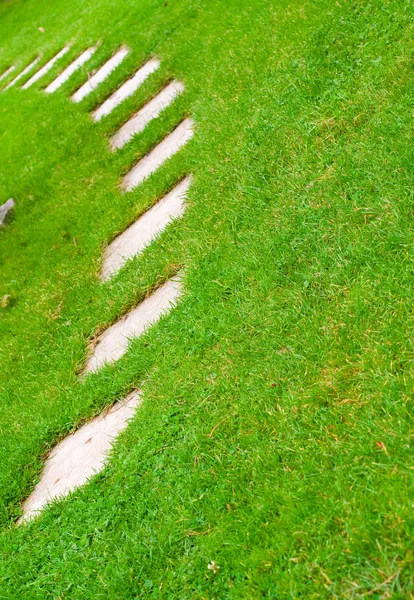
74	460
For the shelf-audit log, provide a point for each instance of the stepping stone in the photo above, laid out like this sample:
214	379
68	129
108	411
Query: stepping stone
141	233
100	75
126	90
45	68
72	68
5	211
23	73
7	72
80	456
167	148
150	111
113	343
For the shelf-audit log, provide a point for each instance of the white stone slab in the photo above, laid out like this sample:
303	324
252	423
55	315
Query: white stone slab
43	70
113	343
150	111
126	90
7	72
100	75
80	456
139	235
23	73
152	161
72	68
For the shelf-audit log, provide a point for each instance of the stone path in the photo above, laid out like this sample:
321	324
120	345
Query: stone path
100	75
140	234
83	453
23	73
126	90
7	72
167	148
46	68
149	112
72	68
113	343
80	455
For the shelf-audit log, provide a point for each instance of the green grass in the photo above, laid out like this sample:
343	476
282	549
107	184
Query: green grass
274	438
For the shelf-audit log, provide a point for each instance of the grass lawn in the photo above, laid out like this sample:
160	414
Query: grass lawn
273	443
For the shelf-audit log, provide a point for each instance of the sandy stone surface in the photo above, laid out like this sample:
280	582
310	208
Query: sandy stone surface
150	111
7	72
167	148
72	68
45	69
141	233
113	343
80	455
126	90
101	74
23	73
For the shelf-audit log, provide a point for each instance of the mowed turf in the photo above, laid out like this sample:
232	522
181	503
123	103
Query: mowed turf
271	456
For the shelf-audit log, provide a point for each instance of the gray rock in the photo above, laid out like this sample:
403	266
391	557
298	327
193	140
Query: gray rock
5	210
